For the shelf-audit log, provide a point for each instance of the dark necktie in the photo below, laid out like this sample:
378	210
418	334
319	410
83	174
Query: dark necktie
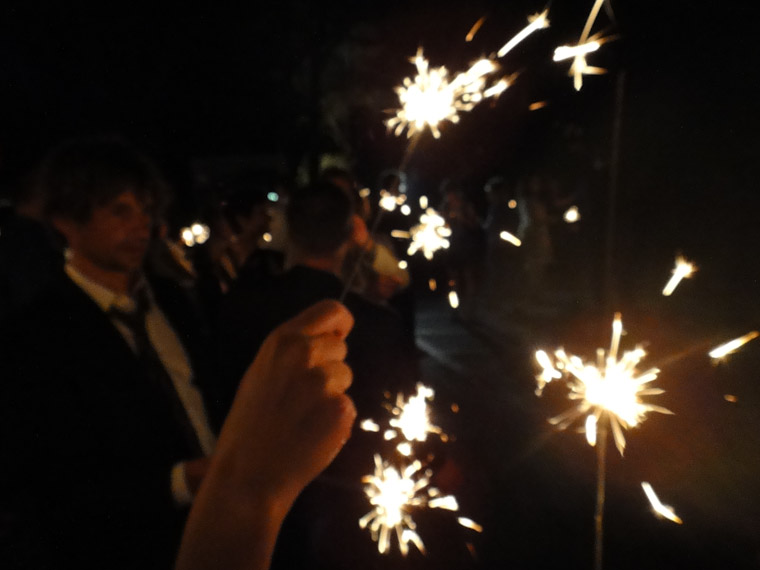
154	368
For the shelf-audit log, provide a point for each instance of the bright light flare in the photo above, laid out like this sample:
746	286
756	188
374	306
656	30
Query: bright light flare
572	215
430	235
535	22
732	346
660	509
431	97
508	237
612	388
682	270
394	494
578	52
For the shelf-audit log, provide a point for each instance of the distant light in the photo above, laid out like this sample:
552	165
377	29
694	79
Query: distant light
402	264
195	234
512	204
453	299
273	196
187	237
572	215
267	237
406	210
432	284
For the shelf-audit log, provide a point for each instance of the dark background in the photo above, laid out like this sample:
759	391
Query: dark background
277	85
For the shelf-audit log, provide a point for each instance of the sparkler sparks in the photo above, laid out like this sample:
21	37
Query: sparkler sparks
413	415
682	270
611	389
388	201
431	97
535	22
430	235
453	299
514	240
394	493
732	346
578	52
660	509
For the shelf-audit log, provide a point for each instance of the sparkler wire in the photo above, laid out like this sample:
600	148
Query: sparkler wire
601	483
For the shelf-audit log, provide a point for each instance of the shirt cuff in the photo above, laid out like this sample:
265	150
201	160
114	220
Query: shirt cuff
180	492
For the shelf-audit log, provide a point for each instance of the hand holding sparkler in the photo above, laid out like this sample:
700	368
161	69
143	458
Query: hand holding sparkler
289	419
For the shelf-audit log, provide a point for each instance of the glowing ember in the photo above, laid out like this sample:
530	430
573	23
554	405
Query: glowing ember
572	215
732	346
474	29
514	240
612	388
537	105
660	509
566	52
431	97
535	22
429	235
453	299
394	493
683	269
512	204
267	237
432	284
469	523
364	193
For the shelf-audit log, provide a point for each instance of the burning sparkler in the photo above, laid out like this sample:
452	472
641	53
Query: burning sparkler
413	415
610	394
430	235
660	509
611	389
431	97
732	346
682	270
394	494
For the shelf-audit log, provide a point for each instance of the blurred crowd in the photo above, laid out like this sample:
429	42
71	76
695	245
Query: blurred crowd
127	338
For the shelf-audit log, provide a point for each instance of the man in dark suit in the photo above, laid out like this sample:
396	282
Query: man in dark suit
105	432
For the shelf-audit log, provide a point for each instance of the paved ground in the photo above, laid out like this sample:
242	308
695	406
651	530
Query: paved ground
533	488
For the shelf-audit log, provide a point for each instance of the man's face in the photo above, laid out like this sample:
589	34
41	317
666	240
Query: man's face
116	236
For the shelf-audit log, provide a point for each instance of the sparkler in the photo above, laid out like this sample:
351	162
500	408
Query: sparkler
430	235
683	269
394	494
431	97
609	394
660	509
413	415
732	346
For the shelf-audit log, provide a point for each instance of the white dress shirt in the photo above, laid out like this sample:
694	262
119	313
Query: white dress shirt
173	357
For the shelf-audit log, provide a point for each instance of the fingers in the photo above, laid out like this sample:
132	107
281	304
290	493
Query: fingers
327	316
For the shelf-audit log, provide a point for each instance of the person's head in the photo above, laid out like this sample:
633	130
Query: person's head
320	221
246	210
102	196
